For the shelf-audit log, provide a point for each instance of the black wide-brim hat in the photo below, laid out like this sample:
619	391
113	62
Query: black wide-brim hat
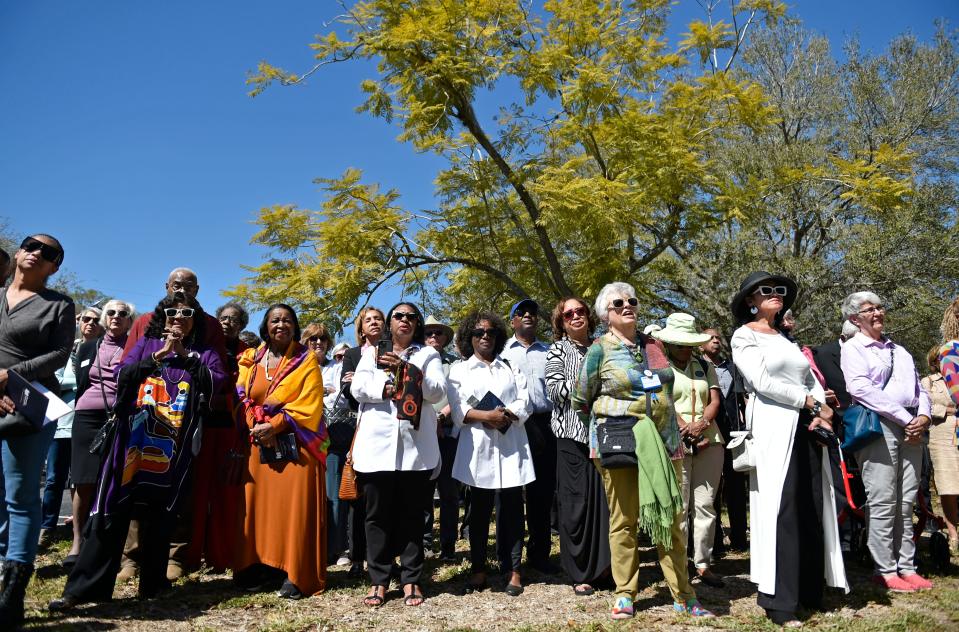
738	304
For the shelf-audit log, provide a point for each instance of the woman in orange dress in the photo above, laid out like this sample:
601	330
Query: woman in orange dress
280	387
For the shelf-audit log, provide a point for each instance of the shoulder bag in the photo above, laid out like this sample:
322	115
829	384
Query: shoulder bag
861	425
615	440
349	490
105	433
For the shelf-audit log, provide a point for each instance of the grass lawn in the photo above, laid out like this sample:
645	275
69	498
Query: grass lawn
206	601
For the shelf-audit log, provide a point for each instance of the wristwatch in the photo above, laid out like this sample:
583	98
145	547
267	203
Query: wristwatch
816	408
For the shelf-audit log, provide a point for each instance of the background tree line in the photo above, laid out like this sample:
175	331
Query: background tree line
613	155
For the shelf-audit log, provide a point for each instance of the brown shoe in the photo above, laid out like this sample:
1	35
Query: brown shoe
174	571
127	573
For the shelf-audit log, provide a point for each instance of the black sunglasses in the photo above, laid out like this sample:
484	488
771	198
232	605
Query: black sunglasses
617	303
479	332
50	253
121	313
407	316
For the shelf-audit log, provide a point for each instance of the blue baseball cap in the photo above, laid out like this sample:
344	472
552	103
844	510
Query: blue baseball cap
526	302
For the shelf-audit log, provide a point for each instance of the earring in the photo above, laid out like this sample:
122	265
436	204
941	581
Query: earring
753	310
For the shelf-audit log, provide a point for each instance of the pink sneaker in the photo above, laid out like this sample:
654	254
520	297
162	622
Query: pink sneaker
917	581
893	583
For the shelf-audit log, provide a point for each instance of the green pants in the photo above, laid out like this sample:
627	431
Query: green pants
622	494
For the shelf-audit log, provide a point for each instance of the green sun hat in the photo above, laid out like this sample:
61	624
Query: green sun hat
681	330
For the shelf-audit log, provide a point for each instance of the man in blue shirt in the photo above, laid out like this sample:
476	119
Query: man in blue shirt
527	354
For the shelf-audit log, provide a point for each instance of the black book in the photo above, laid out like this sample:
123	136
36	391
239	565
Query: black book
491	402
29	401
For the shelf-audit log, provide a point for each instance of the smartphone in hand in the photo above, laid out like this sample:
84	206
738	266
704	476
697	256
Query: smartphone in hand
384	346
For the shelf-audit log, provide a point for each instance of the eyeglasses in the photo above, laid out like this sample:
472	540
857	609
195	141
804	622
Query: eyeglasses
409	317
479	332
231	319
619	303
86	320
872	310
182	312
122	313
49	253
178	286
434	333
570	314
768	290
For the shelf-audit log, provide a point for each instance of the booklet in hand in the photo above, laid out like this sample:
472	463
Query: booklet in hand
29	401
490	402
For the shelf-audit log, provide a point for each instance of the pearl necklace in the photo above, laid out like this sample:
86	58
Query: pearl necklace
266	368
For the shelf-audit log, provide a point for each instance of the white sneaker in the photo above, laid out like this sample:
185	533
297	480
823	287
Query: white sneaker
343	561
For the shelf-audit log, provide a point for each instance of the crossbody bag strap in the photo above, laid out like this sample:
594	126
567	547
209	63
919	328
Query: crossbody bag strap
643	367
892	365
356	431
103	393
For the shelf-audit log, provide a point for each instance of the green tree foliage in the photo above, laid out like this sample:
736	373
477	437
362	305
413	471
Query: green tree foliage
614	155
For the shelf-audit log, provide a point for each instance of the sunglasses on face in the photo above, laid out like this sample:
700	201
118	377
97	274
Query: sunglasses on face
479	332
313	340
409	317
619	303
122	313
532	313
86	320
434	333
769	290
339	356
47	252
181	312
570	314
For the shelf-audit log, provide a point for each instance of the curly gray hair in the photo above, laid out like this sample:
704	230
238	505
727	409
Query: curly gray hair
616	288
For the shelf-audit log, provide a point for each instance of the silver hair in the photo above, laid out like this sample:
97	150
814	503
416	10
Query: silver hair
244	315
188	271
618	288
853	303
96	311
115	303
848	330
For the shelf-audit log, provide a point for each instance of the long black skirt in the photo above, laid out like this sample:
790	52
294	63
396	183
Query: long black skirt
583	514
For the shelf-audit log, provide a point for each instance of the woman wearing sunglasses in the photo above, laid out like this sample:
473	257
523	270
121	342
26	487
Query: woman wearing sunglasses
490	403
396	448
163	389
95	365
36	336
794	531
626	383
58	456
581	501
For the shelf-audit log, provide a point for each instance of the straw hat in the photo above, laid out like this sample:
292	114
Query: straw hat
681	330
432	322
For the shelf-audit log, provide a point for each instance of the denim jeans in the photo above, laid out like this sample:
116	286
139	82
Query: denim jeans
23	458
58	471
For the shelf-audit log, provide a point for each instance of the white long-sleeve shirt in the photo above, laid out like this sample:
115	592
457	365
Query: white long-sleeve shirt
486	458
383	442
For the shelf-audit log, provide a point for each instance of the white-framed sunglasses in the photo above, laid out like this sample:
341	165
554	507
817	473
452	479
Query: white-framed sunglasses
769	290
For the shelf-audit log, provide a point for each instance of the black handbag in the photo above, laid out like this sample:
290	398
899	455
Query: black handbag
284	449
616	442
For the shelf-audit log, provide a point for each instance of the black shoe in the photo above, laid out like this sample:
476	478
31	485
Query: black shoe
69	562
64	603
711	579
513	590
448	556
46	539
14	591
356	570
289	590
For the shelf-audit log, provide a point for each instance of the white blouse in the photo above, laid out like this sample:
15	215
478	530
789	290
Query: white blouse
383	442
486	458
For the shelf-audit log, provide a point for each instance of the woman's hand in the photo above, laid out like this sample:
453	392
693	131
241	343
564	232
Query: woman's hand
7	406
264	434
831	398
3	380
348	377
389	360
825	412
819	422
497	418
697	428
388	391
916	428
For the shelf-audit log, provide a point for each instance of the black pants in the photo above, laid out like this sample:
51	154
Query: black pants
539	493
449	501
509	527
799	533
395	502
95	572
356	530
735	494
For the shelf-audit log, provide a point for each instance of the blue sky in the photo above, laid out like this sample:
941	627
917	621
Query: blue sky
126	131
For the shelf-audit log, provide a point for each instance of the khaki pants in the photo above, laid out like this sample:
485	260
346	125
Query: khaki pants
622	494
701	474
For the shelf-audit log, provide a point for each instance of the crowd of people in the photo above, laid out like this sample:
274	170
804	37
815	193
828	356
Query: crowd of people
278	454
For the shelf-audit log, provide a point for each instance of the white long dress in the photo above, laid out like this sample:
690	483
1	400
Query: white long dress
778	378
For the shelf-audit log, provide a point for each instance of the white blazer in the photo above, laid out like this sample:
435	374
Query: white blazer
778	378
383	442
486	458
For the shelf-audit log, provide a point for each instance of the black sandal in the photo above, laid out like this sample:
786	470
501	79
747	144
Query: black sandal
583	590
375	600
410	598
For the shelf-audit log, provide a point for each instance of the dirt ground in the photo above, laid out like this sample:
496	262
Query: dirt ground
207	601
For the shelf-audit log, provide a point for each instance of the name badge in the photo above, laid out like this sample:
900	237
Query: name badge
650	381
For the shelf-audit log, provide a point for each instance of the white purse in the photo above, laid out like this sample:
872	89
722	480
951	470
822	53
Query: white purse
744	452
